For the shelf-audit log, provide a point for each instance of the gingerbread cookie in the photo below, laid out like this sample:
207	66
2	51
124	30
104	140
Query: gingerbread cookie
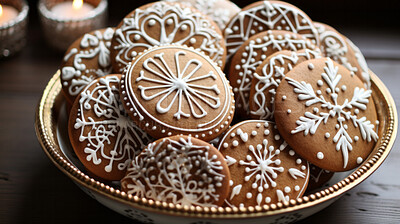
181	170
221	11
172	90
86	59
161	23
334	46
318	177
361	62
267	77
326	115
252	53
267	15
104	138
264	169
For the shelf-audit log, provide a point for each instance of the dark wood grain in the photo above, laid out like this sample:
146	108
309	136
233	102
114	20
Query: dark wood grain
33	190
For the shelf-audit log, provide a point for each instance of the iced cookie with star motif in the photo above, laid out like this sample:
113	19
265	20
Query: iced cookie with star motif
102	135
326	115
252	53
85	60
267	77
264	169
334	45
180	170
171	90
267	15
162	23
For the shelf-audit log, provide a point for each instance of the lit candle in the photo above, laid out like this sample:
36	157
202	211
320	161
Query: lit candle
77	10
7	13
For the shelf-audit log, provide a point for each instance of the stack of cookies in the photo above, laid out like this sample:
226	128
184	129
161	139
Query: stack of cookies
151	107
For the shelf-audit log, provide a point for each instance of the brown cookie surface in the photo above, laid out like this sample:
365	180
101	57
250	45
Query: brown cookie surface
104	138
326	115
85	60
171	90
161	23
264	169
267	15
252	53
267	77
181	170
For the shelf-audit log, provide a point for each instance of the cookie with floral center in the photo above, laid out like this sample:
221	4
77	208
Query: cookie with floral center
162	23
221	11
85	60
171	90
102	135
264	169
267	77
267	15
318	177
334	46
252	53
180	170
326	115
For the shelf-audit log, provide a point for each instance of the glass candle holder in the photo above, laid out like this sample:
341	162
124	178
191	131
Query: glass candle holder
60	32
13	32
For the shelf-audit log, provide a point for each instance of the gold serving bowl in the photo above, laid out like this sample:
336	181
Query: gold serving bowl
51	129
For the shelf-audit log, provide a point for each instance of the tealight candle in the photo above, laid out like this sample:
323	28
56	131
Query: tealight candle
7	14
72	10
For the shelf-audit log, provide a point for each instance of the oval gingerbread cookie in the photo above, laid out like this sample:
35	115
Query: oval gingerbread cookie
172	90
181	170
326	115
85	60
264	169
267	15
103	136
162	23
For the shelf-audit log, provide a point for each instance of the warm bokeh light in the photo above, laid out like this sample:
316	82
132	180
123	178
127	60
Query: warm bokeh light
77	4
1	10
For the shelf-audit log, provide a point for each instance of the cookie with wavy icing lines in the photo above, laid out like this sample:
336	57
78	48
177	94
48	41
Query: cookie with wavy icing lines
318	177
85	60
326	115
252	53
103	136
267	15
181	170
162	23
264	169
335	46
221	11
267	77
171	90
361	62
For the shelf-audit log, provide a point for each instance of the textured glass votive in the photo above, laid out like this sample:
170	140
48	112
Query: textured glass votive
13	32
60	32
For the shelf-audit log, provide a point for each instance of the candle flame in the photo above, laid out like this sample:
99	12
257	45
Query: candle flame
77	4
1	10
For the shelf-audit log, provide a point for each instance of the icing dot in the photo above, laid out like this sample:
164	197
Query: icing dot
344	88
311	66
356	138
169	21
152	22
267	200
303	167
328	90
337	126
258	125
298	161
320	83
359	160
284	97
320	155
184	27
319	92
356	111
235	143
287	189
316	109
266	125
137	37
249	195
230	182
235	28
266	132
296	188
337	89
192	40
133	53
291	152
254	133
277	137
327	135
237	67
289	111
225	145
233	135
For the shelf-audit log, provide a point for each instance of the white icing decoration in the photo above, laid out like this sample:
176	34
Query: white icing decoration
281	196
359	160
310	122
230	161
243	136
320	155
296	173
236	191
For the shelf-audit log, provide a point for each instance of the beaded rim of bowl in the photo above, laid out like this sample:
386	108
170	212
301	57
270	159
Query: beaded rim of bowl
44	129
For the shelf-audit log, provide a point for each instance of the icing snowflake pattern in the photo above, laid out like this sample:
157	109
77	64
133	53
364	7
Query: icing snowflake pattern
180	86
309	122
133	37
92	45
110	122
180	173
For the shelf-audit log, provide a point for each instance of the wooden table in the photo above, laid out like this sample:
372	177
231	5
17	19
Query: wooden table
33	190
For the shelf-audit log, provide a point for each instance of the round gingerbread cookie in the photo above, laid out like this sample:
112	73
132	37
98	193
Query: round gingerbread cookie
85	60
334	45
318	177
252	53
181	170
264	169
267	15
102	135
171	90
267	77
326	115
221	11
162	23
361	62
